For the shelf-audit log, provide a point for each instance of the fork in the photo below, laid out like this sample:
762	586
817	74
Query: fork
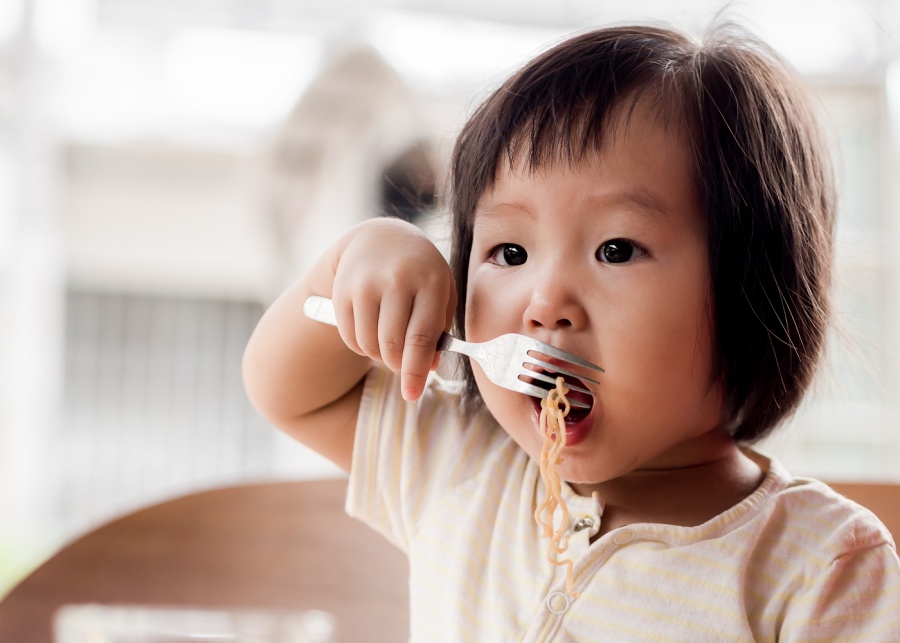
504	359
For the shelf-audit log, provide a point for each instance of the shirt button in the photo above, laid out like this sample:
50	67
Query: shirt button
583	523
558	602
623	537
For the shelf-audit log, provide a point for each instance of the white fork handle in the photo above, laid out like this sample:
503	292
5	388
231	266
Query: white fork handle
320	309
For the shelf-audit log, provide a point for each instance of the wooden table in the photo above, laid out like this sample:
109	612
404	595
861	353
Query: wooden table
272	546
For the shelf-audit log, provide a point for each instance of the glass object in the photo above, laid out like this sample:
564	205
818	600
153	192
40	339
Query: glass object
142	624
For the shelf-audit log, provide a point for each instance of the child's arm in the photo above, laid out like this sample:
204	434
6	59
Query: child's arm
393	296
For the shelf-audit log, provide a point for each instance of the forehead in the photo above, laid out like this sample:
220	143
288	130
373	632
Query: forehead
577	131
644	158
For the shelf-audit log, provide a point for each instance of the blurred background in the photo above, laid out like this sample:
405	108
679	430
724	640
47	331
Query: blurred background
167	167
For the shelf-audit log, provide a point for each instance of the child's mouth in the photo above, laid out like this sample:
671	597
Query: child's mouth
578	420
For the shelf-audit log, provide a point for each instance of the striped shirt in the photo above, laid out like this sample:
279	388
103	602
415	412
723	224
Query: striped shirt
794	561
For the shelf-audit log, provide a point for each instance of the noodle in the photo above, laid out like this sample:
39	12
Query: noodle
554	409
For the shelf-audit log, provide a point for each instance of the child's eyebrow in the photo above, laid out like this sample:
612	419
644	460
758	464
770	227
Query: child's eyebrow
644	200
502	210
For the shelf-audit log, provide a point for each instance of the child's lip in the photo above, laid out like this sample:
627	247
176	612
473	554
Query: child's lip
576	431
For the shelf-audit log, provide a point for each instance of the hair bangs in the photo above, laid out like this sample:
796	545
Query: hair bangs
565	132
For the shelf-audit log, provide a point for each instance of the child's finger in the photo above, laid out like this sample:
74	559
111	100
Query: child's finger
346	323
393	320
365	324
422	335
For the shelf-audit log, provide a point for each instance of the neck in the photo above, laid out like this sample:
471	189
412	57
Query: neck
679	490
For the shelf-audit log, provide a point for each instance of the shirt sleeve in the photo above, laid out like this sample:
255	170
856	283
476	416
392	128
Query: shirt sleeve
407	455
856	598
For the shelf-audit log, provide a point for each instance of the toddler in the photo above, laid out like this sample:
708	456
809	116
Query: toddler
662	208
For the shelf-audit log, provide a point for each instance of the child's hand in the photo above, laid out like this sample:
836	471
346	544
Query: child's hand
393	296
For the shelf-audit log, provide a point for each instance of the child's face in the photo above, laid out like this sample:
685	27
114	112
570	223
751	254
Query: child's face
608	260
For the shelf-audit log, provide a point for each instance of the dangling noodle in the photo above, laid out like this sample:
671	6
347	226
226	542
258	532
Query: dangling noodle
554	409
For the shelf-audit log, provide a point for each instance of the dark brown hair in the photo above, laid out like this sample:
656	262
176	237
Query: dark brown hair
764	179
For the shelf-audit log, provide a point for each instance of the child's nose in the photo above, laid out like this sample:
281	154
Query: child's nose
553	307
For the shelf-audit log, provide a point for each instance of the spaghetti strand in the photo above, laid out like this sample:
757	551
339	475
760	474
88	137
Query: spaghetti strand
554	409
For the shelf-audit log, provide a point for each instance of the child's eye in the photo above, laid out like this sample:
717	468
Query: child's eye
618	251
508	254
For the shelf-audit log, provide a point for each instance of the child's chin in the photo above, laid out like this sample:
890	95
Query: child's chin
575	475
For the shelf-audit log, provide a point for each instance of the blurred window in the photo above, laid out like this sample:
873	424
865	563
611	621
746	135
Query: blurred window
154	402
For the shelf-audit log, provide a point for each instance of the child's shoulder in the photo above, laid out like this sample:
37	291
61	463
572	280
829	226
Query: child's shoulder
815	515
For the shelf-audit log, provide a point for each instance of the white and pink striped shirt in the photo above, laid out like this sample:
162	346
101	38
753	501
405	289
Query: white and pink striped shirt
793	562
